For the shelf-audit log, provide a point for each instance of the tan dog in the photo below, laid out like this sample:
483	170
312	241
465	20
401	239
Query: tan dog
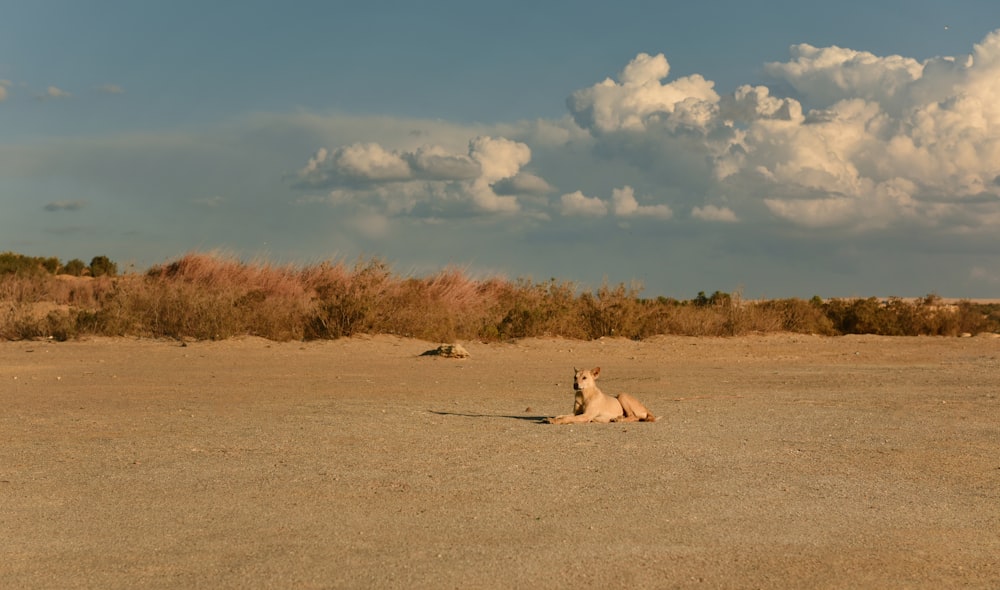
593	405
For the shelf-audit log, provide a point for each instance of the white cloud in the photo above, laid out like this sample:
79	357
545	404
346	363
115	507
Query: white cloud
111	89
429	174
487	200
370	162
640	98
750	103
714	213
576	204
876	141
523	183
435	163
830	74
625	205
4	84
499	157
312	166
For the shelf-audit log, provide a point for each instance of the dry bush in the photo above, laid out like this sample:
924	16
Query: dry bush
796	315
80	292
973	318
613	311
25	305
204	297
688	319
17	321
443	307
871	316
212	296
524	309
346	302
899	317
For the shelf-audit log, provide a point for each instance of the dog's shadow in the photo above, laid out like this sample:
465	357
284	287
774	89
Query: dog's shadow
535	419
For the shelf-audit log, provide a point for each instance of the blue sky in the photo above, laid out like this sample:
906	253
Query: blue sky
780	148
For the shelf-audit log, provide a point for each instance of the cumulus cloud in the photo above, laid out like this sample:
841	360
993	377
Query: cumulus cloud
523	183
829	74
867	142
640	98
891	139
430	175
435	163
751	103
499	157
372	164
714	213
576	204
625	205
111	89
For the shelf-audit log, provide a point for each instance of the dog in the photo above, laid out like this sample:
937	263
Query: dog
593	405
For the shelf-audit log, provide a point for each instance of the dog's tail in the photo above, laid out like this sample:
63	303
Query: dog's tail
649	417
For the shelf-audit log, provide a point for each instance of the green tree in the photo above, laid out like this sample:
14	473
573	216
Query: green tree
50	264
102	265
75	267
19	264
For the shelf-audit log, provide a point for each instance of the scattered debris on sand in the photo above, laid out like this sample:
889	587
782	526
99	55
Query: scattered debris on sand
450	351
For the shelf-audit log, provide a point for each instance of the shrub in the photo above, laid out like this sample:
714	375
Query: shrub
212	296
613	311
796	315
102	265
524	309
75	267
19	264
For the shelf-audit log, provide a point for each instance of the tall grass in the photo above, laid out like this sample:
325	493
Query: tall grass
212	296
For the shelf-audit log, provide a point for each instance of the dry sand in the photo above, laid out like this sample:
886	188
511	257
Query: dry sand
778	462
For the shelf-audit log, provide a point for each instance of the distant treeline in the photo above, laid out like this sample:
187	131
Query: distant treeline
21	265
209	296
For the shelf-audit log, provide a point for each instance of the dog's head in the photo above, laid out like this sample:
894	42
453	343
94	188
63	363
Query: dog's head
584	379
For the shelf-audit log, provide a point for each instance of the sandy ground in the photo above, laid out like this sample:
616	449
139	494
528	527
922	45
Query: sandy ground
778	462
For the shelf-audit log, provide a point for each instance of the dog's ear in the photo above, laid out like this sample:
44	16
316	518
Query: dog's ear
596	371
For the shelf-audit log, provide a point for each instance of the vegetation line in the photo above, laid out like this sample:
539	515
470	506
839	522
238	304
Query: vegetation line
212	296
